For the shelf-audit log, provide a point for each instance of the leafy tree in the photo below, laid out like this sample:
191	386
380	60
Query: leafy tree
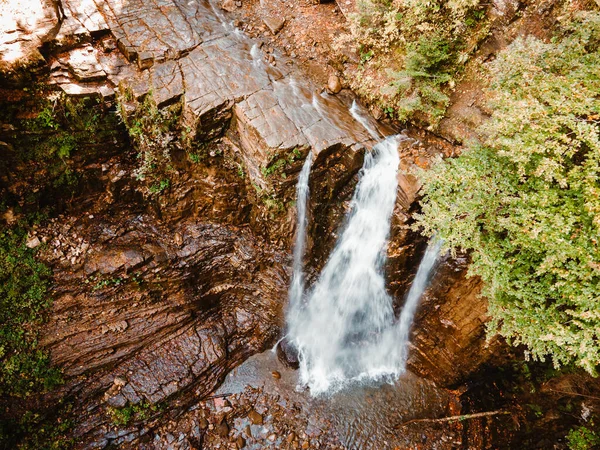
526	202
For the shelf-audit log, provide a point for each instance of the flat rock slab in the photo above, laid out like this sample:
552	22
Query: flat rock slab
274	24
188	51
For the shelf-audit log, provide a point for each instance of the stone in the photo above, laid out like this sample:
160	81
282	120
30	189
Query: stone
287	354
228	5
334	85
203	423
255	417
223	429
274	24
276	374
240	442
32	242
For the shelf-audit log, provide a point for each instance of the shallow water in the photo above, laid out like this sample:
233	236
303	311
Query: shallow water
361	416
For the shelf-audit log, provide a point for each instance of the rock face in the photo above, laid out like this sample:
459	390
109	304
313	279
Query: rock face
156	299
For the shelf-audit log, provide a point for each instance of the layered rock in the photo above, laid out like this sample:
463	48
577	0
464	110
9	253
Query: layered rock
157	299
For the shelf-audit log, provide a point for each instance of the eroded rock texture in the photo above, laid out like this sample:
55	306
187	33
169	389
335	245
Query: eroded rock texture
158	298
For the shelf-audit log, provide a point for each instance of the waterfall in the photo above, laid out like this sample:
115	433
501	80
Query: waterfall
297	287
414	295
339	329
362	118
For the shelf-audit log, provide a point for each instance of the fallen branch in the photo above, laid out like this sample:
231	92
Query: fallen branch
573	393
454	418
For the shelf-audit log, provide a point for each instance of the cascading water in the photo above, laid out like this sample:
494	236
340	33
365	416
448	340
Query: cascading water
412	299
297	287
339	328
361	118
345	328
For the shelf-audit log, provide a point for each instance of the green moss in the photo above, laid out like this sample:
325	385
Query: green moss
24	302
124	416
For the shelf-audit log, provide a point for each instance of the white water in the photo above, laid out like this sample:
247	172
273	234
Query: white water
412	299
297	287
363	119
341	326
344	328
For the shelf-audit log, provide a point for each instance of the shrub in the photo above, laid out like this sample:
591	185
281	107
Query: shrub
24	301
582	438
526	203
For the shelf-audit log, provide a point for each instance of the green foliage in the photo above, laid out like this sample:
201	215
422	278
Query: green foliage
100	284
279	165
33	431
57	133
582	438
428	67
527	202
160	186
23	303
154	132
141	411
412	51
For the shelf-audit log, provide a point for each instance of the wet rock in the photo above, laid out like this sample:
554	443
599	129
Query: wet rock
334	85
274	24
288	354
255	417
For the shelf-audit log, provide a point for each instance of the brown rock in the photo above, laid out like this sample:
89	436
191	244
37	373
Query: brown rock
276	374
334	85
228	5
240	442
255	417
274	24
223	429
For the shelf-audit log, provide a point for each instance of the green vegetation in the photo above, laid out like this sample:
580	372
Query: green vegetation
411	52
141	411
278	165
526	202
33	431
100	284
44	145
24	301
582	438
154	132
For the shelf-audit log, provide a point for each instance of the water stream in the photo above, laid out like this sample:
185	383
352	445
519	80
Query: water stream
338	329
297	286
344	328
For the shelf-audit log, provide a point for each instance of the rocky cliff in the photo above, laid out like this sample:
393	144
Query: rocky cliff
161	289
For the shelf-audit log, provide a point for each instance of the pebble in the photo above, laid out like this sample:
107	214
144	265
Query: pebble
240	442
255	417
276	374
